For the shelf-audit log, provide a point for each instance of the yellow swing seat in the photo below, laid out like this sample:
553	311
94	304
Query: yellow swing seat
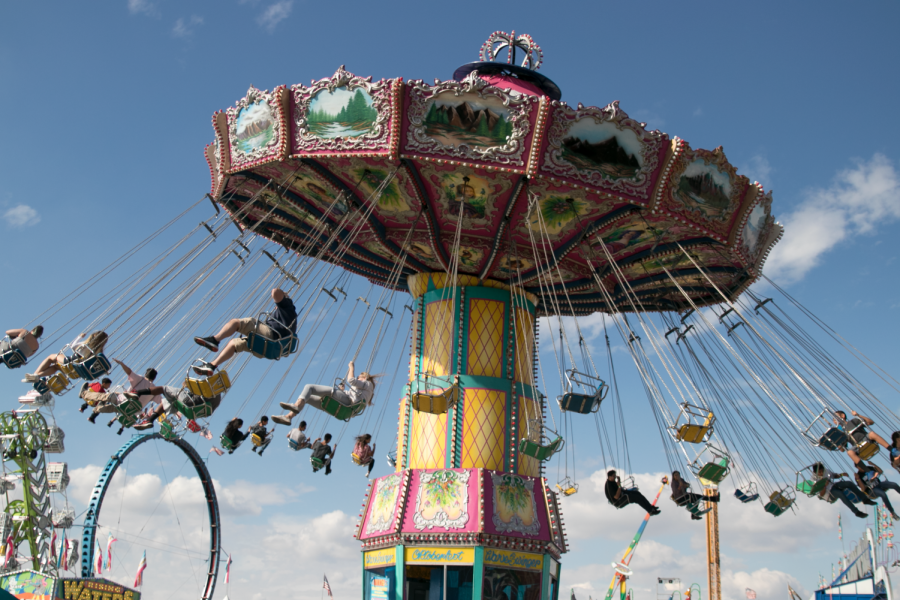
697	426
436	402
567	487
208	387
867	449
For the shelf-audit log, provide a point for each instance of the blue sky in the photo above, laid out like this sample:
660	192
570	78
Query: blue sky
108	109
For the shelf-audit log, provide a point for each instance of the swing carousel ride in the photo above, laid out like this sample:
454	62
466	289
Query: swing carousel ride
496	206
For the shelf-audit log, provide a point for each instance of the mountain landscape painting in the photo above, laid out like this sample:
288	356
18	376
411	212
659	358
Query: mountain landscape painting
603	147
341	113
255	126
703	187
753	228
468	120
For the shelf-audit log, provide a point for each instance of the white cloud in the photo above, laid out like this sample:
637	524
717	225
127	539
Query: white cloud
22	215
759	169
184	28
859	199
275	14
141	6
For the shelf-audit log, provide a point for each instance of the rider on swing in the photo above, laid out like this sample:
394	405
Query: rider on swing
359	389
281	324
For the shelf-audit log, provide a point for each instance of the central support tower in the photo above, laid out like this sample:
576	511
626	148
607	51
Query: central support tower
465	512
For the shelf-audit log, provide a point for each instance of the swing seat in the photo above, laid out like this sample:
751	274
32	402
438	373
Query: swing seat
775	509
297	446
57	383
259	440
714	472
621	503
583	404
435	403
567	487
778	504
867	449
692	433
340	411
536	450
392	459
317	463
812	488
263	347
209	387
13	358
168	430
694	509
359	461
833	439
192	426
199	408
129	410
228	444
745	497
92	367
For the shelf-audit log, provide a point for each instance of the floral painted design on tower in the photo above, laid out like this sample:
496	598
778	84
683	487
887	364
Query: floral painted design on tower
384	504
442	500
515	508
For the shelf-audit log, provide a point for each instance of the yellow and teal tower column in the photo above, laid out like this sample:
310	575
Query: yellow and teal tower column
465	515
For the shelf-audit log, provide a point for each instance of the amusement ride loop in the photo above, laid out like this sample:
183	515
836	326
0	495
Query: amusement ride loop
92	517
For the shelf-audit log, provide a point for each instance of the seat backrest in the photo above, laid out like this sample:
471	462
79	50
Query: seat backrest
867	449
13	358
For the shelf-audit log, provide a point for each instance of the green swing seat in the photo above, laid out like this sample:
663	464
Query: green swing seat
129	410
167	431
196	408
778	504
228	444
317	463
715	471
536	450
812	488
340	411
694	509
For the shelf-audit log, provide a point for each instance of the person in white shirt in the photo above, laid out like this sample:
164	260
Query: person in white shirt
358	390
108	402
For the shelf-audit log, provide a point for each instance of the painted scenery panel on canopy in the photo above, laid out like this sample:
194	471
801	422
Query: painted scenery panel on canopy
319	193
477	195
374	180
255	126
603	147
751	234
511	266
516	506
705	188
563	212
341	113
468	119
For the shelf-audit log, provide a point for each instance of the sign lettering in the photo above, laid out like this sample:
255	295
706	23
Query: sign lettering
513	560
460	556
